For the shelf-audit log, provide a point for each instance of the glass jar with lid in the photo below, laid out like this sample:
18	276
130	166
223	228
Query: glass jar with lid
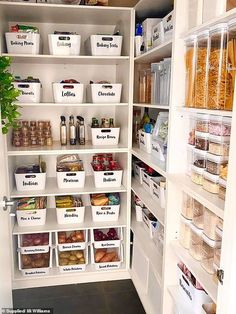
190	62
217	70
184	232
202	56
187	206
208	248
198	214
196	242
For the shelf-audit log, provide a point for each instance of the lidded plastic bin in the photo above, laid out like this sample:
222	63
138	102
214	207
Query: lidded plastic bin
198	214
201	141
219	145
217	70
196	175
199	158
214	163
185	232
222	188
220	126
210	182
210	224
208	248
201	69
196	243
187	206
202	123
190	62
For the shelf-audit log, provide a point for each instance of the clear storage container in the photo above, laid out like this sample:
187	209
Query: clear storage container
199	158
187	206
202	123
219	145
192	125
201	69
202	140
190	62
222	188
185	232
145	78
220	126
210	224
198	214
210	182
189	159
217	70
196	175
224	171
208	248
213	164
196	242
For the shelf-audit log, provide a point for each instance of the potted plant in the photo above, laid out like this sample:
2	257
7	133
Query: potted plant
8	97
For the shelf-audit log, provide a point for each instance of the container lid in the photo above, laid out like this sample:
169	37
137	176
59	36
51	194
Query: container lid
200	152
223	182
197	169
190	147
212	177
220	26
196	230
219	138
215	158
219	232
213	244
157	180
185	220
232	22
204	33
203	116
202	134
191	38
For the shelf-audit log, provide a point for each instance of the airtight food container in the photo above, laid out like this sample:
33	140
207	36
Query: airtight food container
219	145
210	182
184	232
196	242
190	65
198	214
208	248
202	123
187	206
222	188
210	224
214	163
199	158
220	126
196	175
201	140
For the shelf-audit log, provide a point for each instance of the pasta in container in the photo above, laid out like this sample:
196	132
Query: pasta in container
231	64
190	62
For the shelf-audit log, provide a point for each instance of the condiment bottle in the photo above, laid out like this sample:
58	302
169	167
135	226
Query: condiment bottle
63	131
72	131
80	130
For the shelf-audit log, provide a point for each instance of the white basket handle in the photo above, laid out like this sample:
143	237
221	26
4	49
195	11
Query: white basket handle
71	174
107	86
107	39
64	38
106	131
30	176
22	85
68	86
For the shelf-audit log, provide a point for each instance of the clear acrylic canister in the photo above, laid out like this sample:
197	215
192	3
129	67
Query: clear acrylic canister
208	248
187	206
217	70
190	62
196	243
198	214
184	232
201	69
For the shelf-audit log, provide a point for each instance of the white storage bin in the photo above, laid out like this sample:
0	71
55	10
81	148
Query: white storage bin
157	191
107	265
104	45
157	35
111	178
23	43
68	180
105	213
138	171
30	181
30	92
72	268
105	136
168	25
72	246
33	249
146	181
64	45
157	150
68	93
72	215
193	297
34	272
150	225
33	217
104	93
107	243
145	141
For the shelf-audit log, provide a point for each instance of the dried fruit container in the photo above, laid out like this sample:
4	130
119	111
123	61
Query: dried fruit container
217	70
190	62
210	224
201	140
201	69
185	232
187	206
210	182
196	175
202	123
199	158
214	163
222	188
220	125
208	248
196	242
219	145
198	212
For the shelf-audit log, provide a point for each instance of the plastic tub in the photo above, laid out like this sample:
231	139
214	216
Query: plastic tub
70	215
210	182
107	265
138	166
187	206
210	223
104	45
72	179
202	123
71	240
30	92
201	140
107	243
68	93
158	190
104	93
104	179
196	175
208	248
23	43
199	158
105	136
30	181
220	126
105	213
198	212
64	45
68	262
185	232
214	163
34	243
190	61
219	145
196	242
222	188
145	141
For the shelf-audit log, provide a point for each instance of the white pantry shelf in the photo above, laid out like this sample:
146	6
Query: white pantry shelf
51	189
182	307
146	198
162	107
58	149
223	113
51	224
53	104
148	159
156	54
211	201
194	266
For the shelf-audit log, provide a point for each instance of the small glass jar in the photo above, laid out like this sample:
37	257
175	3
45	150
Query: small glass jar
187	206
184	232
220	126
222	188
196	242
201	141
33	124
199	158
190	62
196	175
198	214
214	162
208	248
41	141
210	182
210	224
202	123
219	145
25	123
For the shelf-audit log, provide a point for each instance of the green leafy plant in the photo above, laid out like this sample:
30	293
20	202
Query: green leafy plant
8	96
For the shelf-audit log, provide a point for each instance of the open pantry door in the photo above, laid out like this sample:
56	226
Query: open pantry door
5	246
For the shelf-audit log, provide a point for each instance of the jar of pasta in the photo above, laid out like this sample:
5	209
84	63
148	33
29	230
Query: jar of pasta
219	145
198	214
201	69
187	206
217	70
196	242
190	62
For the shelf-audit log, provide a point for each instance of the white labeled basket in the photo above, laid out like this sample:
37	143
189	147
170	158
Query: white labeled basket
33	249
104	93
64	45
30	92
32	217
105	136
105	213
107	265
138	171
157	191
72	268
30	181
146	181
107	243
111	178
23	43
68	93
104	45
145	141
72	215
151	226
157	35
72	246
67	180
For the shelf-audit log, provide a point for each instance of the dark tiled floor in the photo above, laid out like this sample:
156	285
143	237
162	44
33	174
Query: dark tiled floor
110	297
